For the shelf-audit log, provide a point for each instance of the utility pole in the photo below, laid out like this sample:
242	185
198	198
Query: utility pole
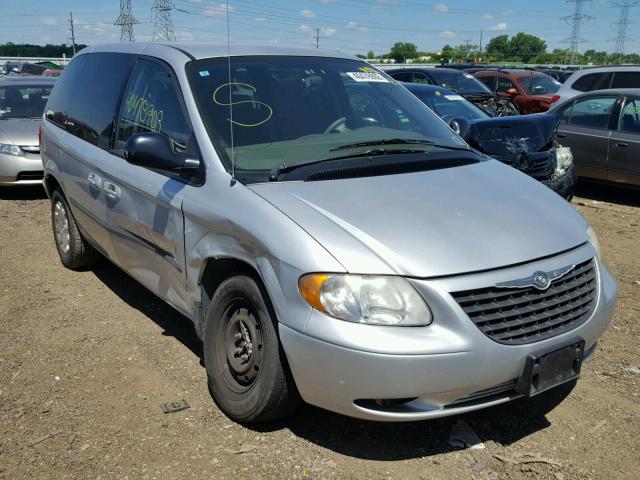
575	21
126	21
73	33
162	22
623	25
480	50
317	37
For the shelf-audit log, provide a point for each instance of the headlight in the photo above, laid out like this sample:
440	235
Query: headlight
374	300
564	159
593	239
11	150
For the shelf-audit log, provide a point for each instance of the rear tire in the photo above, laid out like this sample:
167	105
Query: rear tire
247	370
74	251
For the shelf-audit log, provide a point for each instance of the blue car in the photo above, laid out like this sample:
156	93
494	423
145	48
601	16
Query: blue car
527	143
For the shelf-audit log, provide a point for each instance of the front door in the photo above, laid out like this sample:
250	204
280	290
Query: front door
624	145
144	207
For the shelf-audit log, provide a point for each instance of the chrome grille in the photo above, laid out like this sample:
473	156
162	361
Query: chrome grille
516	316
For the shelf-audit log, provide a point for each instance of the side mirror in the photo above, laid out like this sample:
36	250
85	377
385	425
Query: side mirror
461	126
153	150
512	91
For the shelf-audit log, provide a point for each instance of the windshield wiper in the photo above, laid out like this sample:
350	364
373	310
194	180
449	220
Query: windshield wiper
387	141
277	171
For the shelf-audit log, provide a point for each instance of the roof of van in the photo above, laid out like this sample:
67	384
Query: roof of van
198	51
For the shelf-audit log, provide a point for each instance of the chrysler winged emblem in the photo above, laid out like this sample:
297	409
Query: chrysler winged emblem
539	280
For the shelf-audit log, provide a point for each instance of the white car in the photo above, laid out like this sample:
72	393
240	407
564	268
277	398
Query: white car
598	78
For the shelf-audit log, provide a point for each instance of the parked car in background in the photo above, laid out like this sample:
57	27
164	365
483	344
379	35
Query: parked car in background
460	82
51	72
22	102
329	236
29	69
598	78
527	143
556	73
603	130
9	67
531	91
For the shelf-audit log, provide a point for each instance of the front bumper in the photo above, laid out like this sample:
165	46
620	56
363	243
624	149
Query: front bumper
417	373
17	171
565	184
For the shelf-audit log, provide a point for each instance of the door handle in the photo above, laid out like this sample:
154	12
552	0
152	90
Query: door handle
111	191
622	144
94	180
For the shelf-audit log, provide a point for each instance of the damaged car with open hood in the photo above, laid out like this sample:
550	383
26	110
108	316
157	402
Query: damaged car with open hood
331	238
527	143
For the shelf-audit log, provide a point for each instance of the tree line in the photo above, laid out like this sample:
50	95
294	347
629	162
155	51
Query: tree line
11	49
519	48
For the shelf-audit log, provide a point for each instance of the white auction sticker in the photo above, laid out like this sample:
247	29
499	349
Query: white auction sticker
453	97
367	77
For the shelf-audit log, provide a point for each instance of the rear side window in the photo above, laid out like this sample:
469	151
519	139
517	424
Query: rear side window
505	84
489	81
58	105
630	118
565	113
593	112
152	104
403	76
421	78
592	81
626	80
96	98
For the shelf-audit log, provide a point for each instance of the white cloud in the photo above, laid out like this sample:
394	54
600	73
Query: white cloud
328	32
487	16
260	19
307	14
304	28
217	10
439	8
355	27
448	34
50	21
499	27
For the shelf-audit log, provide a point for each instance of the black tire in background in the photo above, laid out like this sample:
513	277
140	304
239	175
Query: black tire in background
247	370
74	251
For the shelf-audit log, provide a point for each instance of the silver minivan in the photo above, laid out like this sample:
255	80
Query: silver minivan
331	239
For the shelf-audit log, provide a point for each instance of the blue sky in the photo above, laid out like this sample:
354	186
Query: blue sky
353	26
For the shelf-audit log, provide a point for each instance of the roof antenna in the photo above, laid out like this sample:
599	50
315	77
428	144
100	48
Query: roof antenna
233	156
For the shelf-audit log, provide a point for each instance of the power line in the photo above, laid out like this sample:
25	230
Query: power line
162	22
126	21
622	25
73	32
575	21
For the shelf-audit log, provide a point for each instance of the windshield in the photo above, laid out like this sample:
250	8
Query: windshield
539	84
449	105
296	110
459	82
23	101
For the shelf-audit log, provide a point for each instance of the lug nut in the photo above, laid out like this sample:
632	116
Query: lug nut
237	337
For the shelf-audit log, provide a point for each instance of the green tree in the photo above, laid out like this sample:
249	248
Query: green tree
402	51
498	47
371	55
526	46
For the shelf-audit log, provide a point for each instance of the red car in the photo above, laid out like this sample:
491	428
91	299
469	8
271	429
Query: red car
531	91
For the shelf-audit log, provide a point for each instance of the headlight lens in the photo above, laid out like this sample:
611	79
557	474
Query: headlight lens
593	239
11	150
374	300
564	160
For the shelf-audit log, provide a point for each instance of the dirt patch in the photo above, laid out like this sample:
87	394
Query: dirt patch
86	360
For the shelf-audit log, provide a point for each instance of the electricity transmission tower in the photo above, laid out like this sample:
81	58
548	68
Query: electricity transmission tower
623	24
162	22
126	20
575	21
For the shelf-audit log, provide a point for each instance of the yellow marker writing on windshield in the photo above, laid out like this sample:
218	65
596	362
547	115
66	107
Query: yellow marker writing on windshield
253	102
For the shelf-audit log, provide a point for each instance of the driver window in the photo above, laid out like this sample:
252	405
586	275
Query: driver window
630	118
505	84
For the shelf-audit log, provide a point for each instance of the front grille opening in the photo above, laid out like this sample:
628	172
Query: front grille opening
517	316
35	175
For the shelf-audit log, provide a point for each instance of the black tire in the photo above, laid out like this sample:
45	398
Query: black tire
75	253
247	370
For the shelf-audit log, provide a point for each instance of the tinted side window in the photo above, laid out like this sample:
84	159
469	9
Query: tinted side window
489	81
421	78
593	112
565	113
630	118
151	104
626	80
58	105
505	84
96	98
403	76
592	81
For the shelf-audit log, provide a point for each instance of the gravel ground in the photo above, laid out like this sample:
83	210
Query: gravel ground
87	358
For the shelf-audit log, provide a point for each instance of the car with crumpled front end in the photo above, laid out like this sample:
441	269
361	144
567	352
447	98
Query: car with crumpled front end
527	143
329	236
22	102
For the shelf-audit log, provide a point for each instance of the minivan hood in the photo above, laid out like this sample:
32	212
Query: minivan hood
435	223
21	131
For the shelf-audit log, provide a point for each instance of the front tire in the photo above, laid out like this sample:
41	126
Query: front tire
246	367
74	251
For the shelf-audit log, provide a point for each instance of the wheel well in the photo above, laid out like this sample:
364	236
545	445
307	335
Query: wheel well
50	184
